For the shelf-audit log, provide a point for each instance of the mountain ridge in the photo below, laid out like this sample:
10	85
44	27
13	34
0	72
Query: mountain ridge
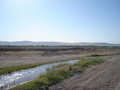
25	43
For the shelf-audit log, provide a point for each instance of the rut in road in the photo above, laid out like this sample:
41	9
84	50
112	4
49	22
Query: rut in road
100	77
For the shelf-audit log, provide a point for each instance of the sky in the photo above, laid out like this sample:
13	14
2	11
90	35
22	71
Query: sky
60	20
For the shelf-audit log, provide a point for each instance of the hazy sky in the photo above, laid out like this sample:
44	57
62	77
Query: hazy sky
60	20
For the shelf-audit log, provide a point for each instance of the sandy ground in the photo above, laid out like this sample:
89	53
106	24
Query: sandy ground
13	61
105	76
12	56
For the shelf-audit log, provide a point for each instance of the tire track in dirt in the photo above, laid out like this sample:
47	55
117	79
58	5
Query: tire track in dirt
100	77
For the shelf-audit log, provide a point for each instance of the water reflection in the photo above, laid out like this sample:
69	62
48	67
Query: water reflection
19	77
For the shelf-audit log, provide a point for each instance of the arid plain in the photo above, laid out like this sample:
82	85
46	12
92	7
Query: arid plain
24	55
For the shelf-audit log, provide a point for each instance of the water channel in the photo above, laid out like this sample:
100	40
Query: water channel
22	76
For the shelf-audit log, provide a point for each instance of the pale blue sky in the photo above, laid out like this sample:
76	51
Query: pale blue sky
60	20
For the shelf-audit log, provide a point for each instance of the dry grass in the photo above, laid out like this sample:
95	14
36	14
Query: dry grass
13	56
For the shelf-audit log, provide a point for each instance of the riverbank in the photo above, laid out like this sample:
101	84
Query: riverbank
45	81
8	70
105	76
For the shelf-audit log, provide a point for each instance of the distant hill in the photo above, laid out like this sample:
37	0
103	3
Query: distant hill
25	43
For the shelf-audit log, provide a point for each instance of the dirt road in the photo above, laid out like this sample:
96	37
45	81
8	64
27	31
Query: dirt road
101	77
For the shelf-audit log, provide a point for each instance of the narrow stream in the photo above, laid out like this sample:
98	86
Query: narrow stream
22	76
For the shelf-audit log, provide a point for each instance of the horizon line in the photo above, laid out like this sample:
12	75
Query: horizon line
57	42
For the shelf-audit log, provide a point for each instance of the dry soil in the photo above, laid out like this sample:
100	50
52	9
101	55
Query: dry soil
105	76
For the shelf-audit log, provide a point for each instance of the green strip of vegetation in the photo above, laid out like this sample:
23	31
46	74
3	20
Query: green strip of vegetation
95	55
47	80
60	65
11	69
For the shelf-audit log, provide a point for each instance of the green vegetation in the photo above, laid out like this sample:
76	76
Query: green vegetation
118	53
96	55
54	68
60	65
11	69
45	81
83	63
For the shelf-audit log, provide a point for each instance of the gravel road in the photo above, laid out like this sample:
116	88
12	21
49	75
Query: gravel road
105	76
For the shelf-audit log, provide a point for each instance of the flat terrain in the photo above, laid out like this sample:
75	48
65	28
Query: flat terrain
100	77
23	55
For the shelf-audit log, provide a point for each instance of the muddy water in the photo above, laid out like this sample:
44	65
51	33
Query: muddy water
22	76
